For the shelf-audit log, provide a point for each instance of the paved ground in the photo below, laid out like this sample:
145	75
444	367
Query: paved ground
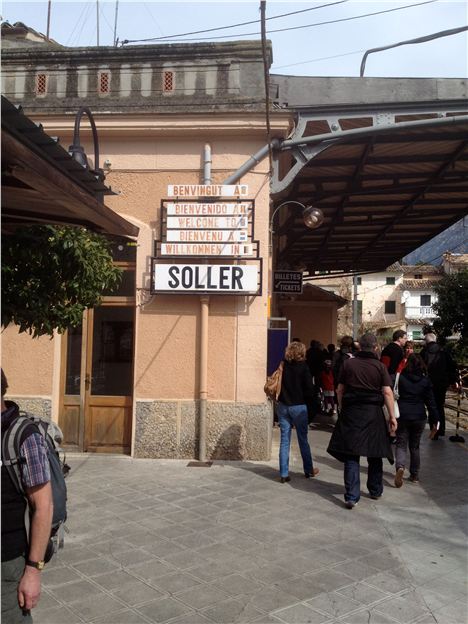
157	541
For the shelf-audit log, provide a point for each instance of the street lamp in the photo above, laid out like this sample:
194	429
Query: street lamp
76	150
312	218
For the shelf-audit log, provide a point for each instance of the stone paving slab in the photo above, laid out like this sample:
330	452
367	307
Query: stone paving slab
155	541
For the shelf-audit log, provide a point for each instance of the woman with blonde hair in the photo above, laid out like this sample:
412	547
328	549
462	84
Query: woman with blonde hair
297	389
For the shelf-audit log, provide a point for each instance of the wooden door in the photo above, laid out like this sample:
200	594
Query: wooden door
96	412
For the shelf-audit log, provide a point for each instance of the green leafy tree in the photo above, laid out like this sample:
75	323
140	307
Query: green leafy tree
51	274
452	306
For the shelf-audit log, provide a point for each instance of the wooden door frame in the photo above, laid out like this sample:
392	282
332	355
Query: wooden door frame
63	379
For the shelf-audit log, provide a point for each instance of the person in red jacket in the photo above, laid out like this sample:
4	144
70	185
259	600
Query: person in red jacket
393	352
327	383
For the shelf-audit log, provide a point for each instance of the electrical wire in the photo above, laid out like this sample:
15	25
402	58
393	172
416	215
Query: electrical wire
315	60
76	24
336	21
198	32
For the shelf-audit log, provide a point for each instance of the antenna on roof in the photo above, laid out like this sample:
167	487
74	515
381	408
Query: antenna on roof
115	22
49	6
97	22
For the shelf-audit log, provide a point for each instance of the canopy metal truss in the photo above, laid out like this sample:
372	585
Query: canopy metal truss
386	182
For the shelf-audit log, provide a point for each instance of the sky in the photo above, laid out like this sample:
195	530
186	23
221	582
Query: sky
321	50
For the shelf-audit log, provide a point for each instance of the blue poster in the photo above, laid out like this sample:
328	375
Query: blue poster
277	343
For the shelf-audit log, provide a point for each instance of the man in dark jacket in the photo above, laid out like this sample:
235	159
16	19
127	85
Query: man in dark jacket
443	373
22	562
393	352
364	386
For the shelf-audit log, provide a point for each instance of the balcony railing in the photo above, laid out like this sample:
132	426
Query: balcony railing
419	312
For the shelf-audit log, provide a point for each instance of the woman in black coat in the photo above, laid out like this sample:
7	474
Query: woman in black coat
415	394
297	389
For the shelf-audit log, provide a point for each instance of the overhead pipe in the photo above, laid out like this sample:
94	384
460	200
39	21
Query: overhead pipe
252	162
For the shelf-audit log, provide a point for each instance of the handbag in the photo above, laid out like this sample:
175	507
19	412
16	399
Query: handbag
396	396
272	387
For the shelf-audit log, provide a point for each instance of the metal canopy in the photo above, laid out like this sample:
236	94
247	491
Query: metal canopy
41	183
385	185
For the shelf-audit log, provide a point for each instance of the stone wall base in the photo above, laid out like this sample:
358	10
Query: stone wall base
42	408
234	431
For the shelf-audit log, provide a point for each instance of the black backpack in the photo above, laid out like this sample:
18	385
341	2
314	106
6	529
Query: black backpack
58	470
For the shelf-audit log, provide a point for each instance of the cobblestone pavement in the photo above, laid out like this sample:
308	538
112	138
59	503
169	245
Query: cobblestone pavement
157	541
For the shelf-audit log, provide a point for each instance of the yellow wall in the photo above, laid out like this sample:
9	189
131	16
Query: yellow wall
312	321
28	363
143	162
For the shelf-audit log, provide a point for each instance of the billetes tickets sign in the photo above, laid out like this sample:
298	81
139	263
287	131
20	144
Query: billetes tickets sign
206	278
287	282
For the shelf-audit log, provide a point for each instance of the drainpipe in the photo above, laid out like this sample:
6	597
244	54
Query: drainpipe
204	316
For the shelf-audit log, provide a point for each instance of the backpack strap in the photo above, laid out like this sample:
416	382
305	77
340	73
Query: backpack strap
11	443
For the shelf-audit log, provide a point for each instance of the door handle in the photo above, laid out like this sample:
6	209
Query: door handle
87	382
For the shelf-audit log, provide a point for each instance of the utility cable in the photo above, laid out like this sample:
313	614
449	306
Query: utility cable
266	77
315	60
437	35
336	21
198	32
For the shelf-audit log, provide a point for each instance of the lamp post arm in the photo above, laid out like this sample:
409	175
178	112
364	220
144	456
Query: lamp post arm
291	201
76	133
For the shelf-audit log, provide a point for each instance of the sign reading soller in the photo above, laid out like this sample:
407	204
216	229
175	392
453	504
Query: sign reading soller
192	278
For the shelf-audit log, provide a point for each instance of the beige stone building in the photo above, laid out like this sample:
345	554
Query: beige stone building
131	377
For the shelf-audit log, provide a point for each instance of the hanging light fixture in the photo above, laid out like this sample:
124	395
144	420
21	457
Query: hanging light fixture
312	217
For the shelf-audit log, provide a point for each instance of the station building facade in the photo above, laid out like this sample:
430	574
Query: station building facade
130	378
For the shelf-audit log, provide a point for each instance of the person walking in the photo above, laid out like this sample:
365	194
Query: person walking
345	352
23	555
442	372
297	389
327	384
415	394
408	349
361	430
394	353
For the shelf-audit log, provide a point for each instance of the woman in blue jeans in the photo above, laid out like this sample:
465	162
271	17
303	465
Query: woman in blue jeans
297	389
415	394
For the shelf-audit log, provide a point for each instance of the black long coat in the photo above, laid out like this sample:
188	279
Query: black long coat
361	428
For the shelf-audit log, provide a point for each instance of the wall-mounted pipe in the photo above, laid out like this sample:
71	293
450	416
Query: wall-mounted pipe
204	322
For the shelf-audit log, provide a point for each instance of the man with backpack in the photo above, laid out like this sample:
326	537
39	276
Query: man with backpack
442	371
22	561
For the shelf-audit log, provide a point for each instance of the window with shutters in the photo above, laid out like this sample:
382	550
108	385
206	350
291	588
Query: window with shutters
390	307
41	84
104	83
168	82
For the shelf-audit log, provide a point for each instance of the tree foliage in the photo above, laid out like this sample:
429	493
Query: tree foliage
51	274
452	306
